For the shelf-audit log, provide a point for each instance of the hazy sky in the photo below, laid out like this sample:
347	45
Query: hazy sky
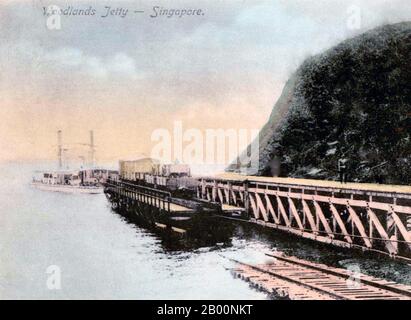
125	77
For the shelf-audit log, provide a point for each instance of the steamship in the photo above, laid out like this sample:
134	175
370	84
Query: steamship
89	180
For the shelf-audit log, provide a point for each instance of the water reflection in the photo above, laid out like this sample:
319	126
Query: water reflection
199	231
232	239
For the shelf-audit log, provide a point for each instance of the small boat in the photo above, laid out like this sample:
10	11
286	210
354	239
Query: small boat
68	188
89	181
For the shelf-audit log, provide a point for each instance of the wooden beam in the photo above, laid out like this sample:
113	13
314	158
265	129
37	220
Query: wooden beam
254	207
309	216
227	190
295	214
403	230
234	196
323	220
283	213
214	192
357	222
261	207
392	248
208	194
340	223
271	210
220	195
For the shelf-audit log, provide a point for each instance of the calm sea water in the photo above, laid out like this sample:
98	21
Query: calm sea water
102	256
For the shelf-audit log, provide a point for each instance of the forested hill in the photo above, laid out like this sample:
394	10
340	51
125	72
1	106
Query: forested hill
352	102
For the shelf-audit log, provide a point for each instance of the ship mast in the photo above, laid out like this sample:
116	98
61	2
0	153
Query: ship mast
92	149
60	148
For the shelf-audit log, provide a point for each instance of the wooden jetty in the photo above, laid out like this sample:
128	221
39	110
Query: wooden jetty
296	279
190	223
352	215
159	199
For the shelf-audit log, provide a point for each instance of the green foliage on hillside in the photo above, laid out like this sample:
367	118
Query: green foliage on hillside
351	102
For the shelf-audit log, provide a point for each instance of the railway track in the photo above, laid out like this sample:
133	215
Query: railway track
296	279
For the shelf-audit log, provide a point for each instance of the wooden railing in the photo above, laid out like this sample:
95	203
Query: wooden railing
352	215
153	197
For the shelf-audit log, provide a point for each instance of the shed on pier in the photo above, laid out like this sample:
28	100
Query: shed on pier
137	169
